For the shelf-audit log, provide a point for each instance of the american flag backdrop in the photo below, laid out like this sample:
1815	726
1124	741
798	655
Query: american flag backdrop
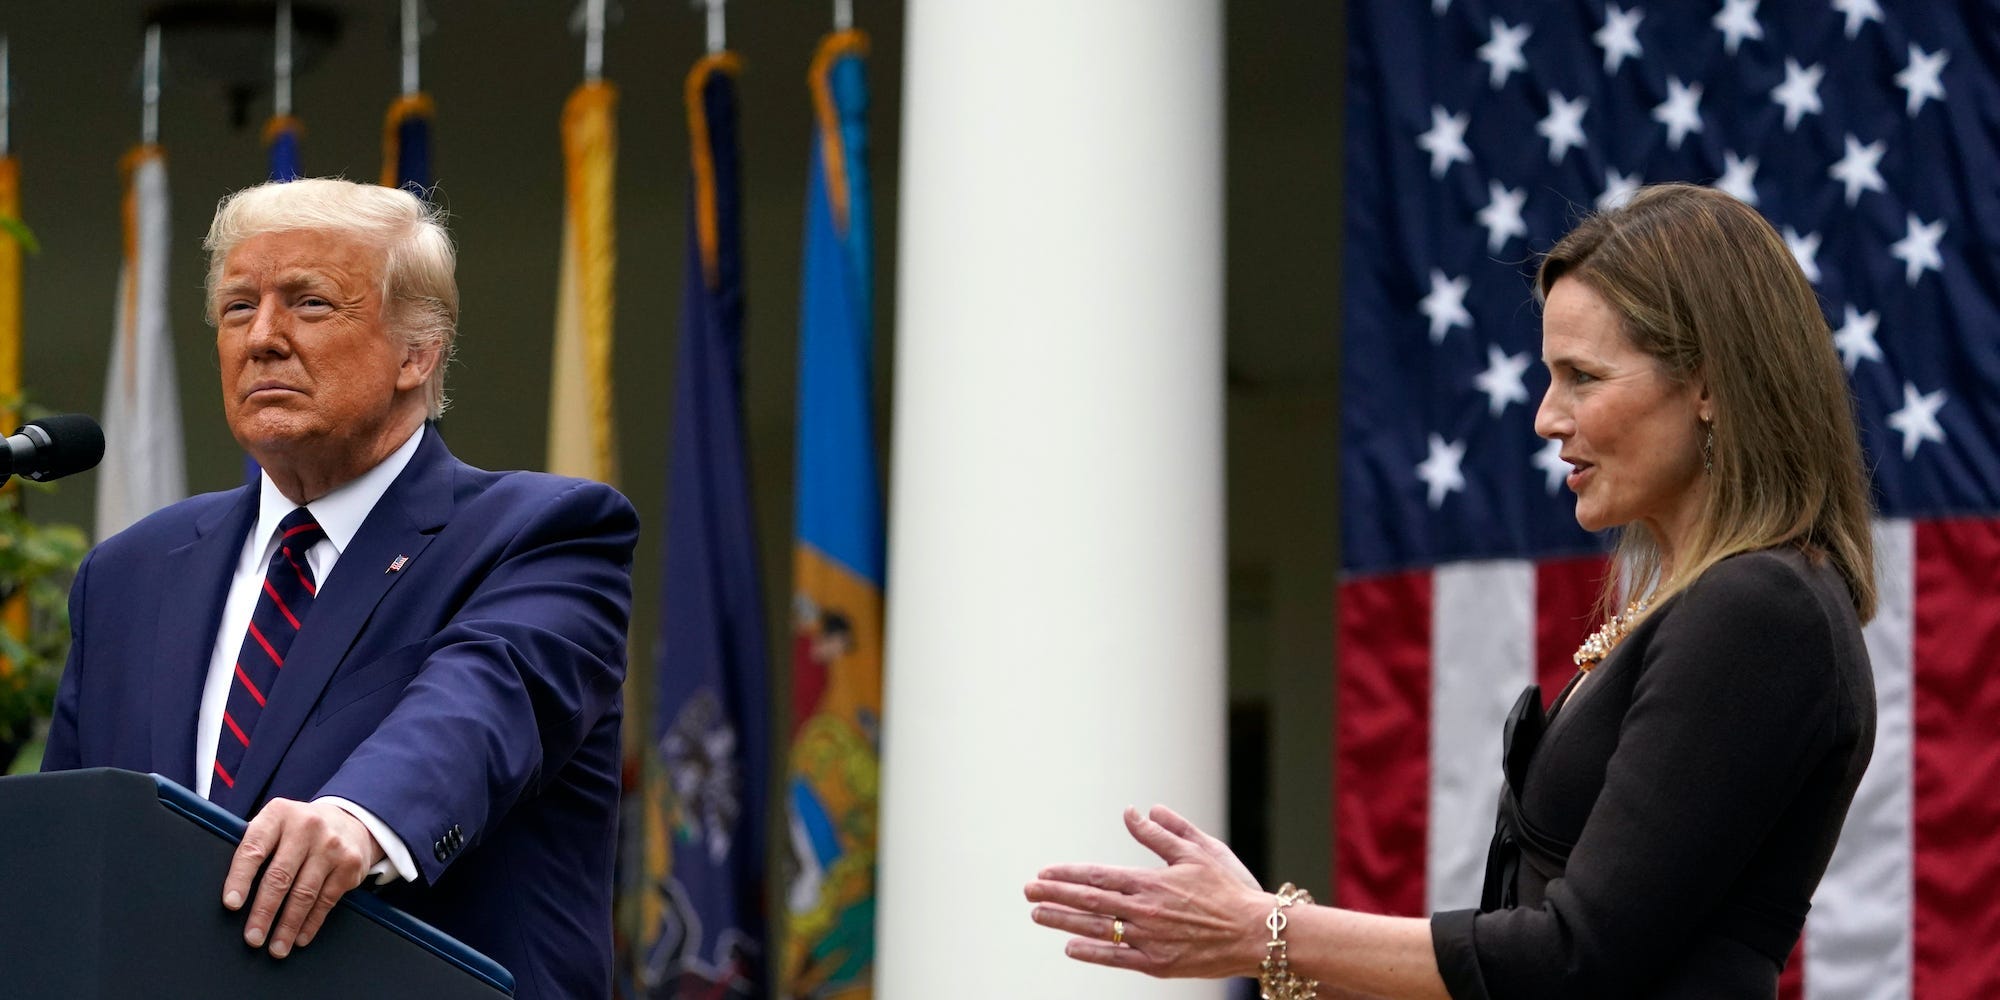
1478	131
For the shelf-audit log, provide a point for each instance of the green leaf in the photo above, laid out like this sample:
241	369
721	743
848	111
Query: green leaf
21	233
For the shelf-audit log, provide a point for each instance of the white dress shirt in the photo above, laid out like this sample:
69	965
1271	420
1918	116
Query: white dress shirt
339	514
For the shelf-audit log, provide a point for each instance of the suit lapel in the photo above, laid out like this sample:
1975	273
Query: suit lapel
189	616
403	522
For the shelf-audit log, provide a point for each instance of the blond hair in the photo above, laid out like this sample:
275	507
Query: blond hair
419	287
1707	288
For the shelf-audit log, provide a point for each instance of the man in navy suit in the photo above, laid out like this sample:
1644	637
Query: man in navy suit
401	668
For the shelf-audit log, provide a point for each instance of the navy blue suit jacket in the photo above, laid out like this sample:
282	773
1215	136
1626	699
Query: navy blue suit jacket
469	698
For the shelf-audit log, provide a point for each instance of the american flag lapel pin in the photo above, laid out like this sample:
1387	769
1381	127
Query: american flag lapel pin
397	566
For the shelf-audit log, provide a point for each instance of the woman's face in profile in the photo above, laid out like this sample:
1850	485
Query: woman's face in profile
1630	433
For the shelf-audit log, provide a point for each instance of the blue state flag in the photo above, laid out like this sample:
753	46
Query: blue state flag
406	143
833	772
703	925
281	145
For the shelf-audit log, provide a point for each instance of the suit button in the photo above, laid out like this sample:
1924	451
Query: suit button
439	852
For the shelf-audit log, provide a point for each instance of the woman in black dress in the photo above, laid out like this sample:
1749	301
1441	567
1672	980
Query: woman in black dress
1662	829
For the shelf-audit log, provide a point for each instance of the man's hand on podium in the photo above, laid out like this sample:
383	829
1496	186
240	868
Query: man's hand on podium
312	853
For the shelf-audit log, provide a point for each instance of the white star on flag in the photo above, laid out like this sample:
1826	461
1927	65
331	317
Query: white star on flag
1855	339
1563	127
1858	12
1737	20
1680	112
1739	177
1805	250
1856	169
1445	140
1916	421
1503	51
1440	470
1502	215
1549	460
1619	38
1799	94
1445	305
1618	189
1922	78
1918	249
1501	381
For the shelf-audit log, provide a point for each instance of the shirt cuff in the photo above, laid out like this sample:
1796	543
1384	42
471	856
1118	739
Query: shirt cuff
396	861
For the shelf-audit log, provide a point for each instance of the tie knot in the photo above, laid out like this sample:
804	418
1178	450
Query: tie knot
299	531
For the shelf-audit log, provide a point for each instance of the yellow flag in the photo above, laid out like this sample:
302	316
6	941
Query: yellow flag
581	442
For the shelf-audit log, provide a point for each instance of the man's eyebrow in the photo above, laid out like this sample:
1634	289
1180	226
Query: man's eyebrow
293	280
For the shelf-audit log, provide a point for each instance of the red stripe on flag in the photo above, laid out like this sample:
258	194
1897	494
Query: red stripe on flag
1956	761
1382	756
1792	984
280	602
247	686
1565	606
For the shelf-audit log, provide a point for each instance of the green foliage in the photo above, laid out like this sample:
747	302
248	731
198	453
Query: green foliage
37	561
20	233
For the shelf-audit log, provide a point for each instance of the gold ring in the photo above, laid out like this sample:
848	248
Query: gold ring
1117	931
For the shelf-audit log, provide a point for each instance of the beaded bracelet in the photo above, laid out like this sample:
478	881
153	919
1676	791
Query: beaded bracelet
1277	980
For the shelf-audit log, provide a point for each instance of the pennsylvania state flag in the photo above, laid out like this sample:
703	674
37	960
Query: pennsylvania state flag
703	925
832	777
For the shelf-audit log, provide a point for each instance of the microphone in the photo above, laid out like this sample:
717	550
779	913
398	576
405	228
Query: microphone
53	447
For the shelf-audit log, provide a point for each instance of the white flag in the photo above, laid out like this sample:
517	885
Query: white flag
143	468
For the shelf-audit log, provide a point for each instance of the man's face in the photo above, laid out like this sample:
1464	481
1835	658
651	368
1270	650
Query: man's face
309	374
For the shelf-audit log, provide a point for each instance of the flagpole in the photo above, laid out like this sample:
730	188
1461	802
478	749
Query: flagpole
411	45
6	98
149	128
593	40
843	15
281	64
717	30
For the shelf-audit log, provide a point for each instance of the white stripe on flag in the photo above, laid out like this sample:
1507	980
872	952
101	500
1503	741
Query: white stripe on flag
1482	654
143	468
1858	938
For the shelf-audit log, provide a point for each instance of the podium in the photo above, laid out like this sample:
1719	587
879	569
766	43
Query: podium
111	886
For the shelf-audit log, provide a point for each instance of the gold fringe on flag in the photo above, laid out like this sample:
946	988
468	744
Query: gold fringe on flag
581	441
833	145
707	229
402	109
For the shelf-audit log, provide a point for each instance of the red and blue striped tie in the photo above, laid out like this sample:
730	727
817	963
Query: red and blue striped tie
281	608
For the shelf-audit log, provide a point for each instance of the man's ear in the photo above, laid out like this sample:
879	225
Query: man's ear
417	368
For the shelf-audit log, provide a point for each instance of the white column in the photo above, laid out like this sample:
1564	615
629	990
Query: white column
1056	572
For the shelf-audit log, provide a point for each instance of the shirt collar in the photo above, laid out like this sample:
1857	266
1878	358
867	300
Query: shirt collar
340	512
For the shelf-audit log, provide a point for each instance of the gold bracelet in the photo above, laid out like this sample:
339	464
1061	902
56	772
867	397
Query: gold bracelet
1277	980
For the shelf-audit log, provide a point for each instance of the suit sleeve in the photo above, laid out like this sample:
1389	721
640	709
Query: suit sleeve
511	685
63	751
1733	708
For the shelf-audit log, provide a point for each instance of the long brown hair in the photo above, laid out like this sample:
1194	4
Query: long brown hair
1709	289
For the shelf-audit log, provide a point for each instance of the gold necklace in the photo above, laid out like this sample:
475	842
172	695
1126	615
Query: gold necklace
1606	638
